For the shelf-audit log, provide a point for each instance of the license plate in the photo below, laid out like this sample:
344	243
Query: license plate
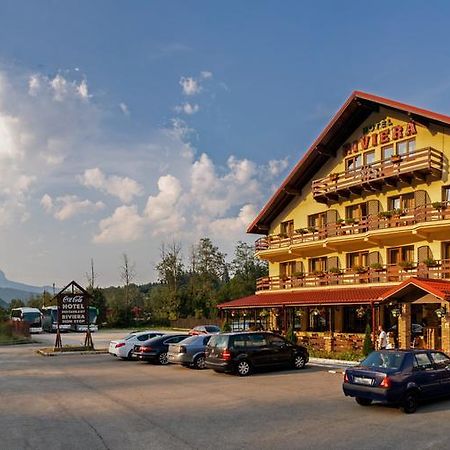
361	380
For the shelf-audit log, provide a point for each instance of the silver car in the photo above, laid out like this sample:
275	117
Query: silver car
189	352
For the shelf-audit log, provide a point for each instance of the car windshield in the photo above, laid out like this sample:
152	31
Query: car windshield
130	336
191	340
218	342
212	328
385	360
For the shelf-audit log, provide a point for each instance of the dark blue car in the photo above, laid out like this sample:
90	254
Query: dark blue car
402	377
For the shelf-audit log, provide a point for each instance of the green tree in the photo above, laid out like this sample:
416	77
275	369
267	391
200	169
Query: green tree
16	303
367	344
98	300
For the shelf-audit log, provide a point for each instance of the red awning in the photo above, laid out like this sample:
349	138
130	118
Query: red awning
438	288
348	296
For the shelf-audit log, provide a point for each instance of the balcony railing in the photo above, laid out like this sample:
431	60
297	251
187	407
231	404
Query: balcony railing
387	219
389	273
420	163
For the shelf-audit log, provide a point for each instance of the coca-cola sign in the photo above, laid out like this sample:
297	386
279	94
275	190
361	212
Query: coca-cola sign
73	309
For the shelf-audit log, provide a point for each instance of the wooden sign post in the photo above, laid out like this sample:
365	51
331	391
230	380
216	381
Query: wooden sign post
73	309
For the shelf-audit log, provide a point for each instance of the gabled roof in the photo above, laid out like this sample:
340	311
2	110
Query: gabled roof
352	114
438	288
358	295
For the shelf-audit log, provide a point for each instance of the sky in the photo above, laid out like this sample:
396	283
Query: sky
126	125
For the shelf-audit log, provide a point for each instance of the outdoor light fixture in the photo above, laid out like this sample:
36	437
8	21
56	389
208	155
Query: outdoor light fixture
315	312
360	312
299	313
396	312
264	313
441	312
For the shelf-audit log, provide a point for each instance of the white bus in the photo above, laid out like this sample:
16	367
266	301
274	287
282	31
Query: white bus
30	315
50	321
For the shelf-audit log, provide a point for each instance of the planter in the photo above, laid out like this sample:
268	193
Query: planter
395	159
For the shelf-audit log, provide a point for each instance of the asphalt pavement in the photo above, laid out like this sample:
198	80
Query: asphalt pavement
100	402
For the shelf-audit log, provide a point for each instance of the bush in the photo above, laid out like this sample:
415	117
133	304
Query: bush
226	327
291	335
367	345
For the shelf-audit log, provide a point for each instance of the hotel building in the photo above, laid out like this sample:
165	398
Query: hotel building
359	232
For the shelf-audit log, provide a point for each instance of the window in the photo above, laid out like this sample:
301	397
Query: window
357	259
256	340
387	152
422	361
318	264
317	220
143	337
440	360
287	228
356	212
397	255
406	147
404	201
446	194
369	158
276	341
318	320
353	163
287	269
352	323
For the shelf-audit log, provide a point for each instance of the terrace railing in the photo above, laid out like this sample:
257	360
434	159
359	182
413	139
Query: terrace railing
420	163
387	219
388	273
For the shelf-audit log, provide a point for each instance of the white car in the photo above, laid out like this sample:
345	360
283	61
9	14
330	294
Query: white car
123	348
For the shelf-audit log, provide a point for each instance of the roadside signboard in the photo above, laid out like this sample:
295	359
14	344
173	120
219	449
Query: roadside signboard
73	309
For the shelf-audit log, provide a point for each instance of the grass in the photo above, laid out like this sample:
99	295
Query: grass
8	336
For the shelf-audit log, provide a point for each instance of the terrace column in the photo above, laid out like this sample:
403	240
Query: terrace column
404	326
445	330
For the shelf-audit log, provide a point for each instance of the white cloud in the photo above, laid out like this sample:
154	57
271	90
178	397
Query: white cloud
206	74
277	167
187	108
124	108
190	86
125	225
123	188
68	206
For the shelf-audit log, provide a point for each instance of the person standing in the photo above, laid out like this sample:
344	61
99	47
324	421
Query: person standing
382	338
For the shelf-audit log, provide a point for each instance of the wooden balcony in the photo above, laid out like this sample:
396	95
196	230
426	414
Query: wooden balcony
430	213
423	164
347	277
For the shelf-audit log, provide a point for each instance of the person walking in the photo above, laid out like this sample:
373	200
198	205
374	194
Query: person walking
382	338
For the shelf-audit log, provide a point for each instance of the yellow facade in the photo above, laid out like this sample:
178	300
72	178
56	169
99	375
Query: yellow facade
417	235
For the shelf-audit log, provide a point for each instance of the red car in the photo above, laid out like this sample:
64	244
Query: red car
205	329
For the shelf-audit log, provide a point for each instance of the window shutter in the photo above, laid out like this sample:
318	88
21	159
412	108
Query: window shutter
333	261
373	209
421	198
424	253
332	216
374	257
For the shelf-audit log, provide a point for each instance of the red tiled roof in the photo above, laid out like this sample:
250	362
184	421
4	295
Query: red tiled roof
352	113
323	297
438	288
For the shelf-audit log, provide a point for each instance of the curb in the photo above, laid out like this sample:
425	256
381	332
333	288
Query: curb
90	352
332	362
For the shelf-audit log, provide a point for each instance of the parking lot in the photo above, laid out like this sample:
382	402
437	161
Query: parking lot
98	402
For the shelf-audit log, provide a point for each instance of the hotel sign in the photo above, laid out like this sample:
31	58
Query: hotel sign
380	133
72	309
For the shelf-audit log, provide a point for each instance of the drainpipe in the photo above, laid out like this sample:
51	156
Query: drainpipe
372	304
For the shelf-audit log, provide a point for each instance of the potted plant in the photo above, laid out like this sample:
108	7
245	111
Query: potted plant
340	221
406	265
301	231
350	221
335	271
319	273
334	176
430	262
399	212
282	235
385	214
311	229
378	267
299	274
438	205
396	159
360	269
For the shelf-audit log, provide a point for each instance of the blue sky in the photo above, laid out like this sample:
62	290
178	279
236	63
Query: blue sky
127	124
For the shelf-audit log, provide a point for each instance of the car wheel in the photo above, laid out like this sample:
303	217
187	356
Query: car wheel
409	404
363	401
162	359
299	361
243	368
199	362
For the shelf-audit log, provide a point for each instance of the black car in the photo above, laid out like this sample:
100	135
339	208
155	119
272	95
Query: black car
155	349
401	377
242	353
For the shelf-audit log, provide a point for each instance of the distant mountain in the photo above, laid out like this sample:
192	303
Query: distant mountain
3	304
12	289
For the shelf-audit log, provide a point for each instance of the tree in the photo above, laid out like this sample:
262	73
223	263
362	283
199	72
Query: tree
367	345
127	275
91	277
16	303
98	301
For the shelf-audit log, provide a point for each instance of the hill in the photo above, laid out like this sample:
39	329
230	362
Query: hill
12	289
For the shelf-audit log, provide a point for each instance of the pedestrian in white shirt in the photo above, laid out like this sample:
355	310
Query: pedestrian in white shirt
382	338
